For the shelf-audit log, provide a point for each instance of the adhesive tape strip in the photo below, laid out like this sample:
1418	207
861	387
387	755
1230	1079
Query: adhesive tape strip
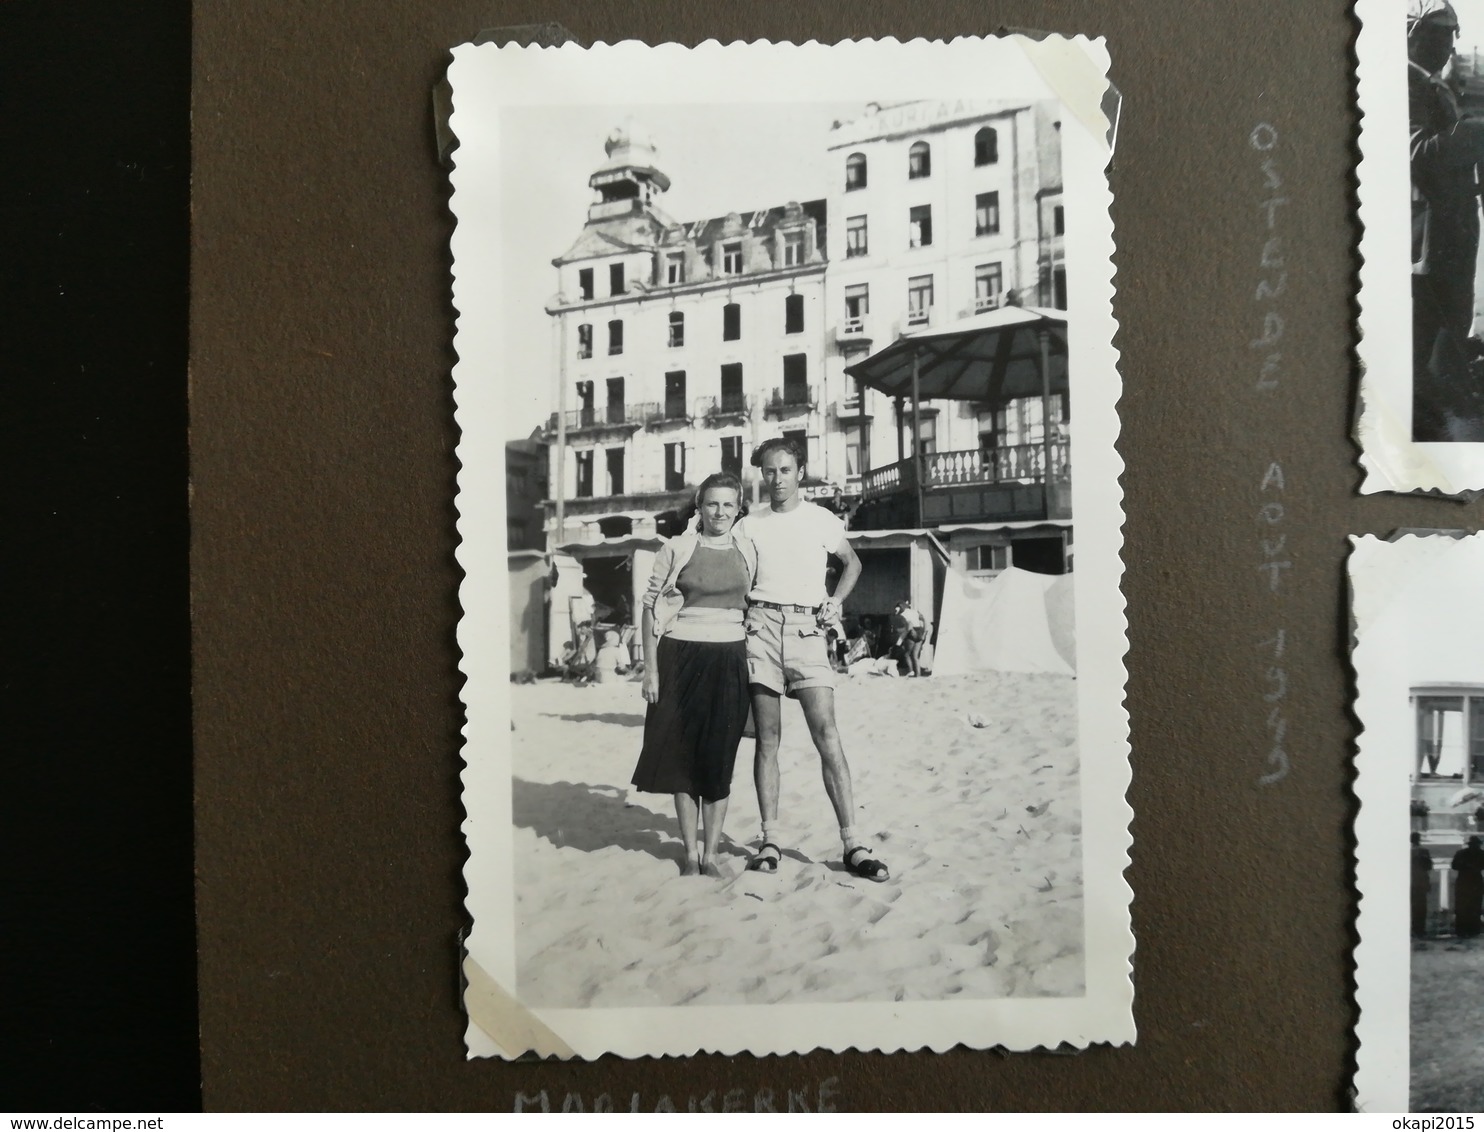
1070	72
509	1024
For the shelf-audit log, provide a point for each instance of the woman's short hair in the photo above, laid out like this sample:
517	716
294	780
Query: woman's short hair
780	443
717	479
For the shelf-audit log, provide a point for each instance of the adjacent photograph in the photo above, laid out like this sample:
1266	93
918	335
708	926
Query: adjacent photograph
1418	607
792	630
1421	87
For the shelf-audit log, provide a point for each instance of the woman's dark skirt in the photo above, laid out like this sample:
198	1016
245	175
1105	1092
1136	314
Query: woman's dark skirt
691	734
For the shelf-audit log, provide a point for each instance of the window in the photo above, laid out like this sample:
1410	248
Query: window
795	379
675	395
585	417
731	259
615	336
585	340
919	299
920	226
793	314
584	474
1450	738
731	455
986	214
855	172
677	328
585	282
1059	221
857	306
675	268
615	279
1059	288
853	450
986	147
919	160
615	400
733	400
927	435
988	559
855	236
674	466
731	322
615	471
793	249
988	283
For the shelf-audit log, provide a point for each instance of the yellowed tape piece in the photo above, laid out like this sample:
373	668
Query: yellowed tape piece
509	1024
1071	73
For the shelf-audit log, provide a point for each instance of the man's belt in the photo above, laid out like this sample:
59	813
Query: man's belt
812	610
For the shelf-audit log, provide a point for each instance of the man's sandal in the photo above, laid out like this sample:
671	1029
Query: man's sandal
858	862
766	859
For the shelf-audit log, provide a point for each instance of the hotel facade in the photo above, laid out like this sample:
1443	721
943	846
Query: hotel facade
681	345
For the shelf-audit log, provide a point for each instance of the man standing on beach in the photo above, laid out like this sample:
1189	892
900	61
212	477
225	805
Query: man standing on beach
786	649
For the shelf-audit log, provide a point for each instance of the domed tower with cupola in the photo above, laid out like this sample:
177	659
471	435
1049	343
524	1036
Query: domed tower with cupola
613	254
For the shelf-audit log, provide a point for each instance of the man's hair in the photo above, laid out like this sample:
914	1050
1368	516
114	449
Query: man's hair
780	443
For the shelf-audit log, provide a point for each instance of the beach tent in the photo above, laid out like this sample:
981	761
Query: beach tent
1017	621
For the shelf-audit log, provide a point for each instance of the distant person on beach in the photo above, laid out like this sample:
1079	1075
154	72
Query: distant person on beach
787	610
695	669
1447	145
1421	885
1468	863
911	630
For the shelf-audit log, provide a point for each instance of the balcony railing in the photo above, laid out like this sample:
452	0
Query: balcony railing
668	410
719	408
597	417
854	330
919	316
791	400
1016	463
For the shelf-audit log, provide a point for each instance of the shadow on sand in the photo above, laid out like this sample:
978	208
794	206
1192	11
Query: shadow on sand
622	719
580	815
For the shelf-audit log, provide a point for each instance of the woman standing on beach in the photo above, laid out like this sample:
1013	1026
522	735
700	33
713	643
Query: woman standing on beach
695	668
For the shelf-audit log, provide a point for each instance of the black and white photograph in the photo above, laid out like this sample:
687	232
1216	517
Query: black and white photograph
1422	342
1419	617
792	628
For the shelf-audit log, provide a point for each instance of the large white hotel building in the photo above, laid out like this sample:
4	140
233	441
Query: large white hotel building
680	345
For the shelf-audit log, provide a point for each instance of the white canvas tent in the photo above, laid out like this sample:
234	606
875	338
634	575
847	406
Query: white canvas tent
1017	621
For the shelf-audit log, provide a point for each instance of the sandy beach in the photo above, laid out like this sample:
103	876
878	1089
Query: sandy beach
980	824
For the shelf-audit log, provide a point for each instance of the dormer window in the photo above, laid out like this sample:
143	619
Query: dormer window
793	249
585	283
675	268
855	171
919	160
731	259
986	147
615	279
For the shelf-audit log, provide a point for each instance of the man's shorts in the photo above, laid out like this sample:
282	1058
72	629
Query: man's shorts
786	652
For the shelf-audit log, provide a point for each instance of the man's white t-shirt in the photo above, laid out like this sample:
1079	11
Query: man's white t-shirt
792	550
